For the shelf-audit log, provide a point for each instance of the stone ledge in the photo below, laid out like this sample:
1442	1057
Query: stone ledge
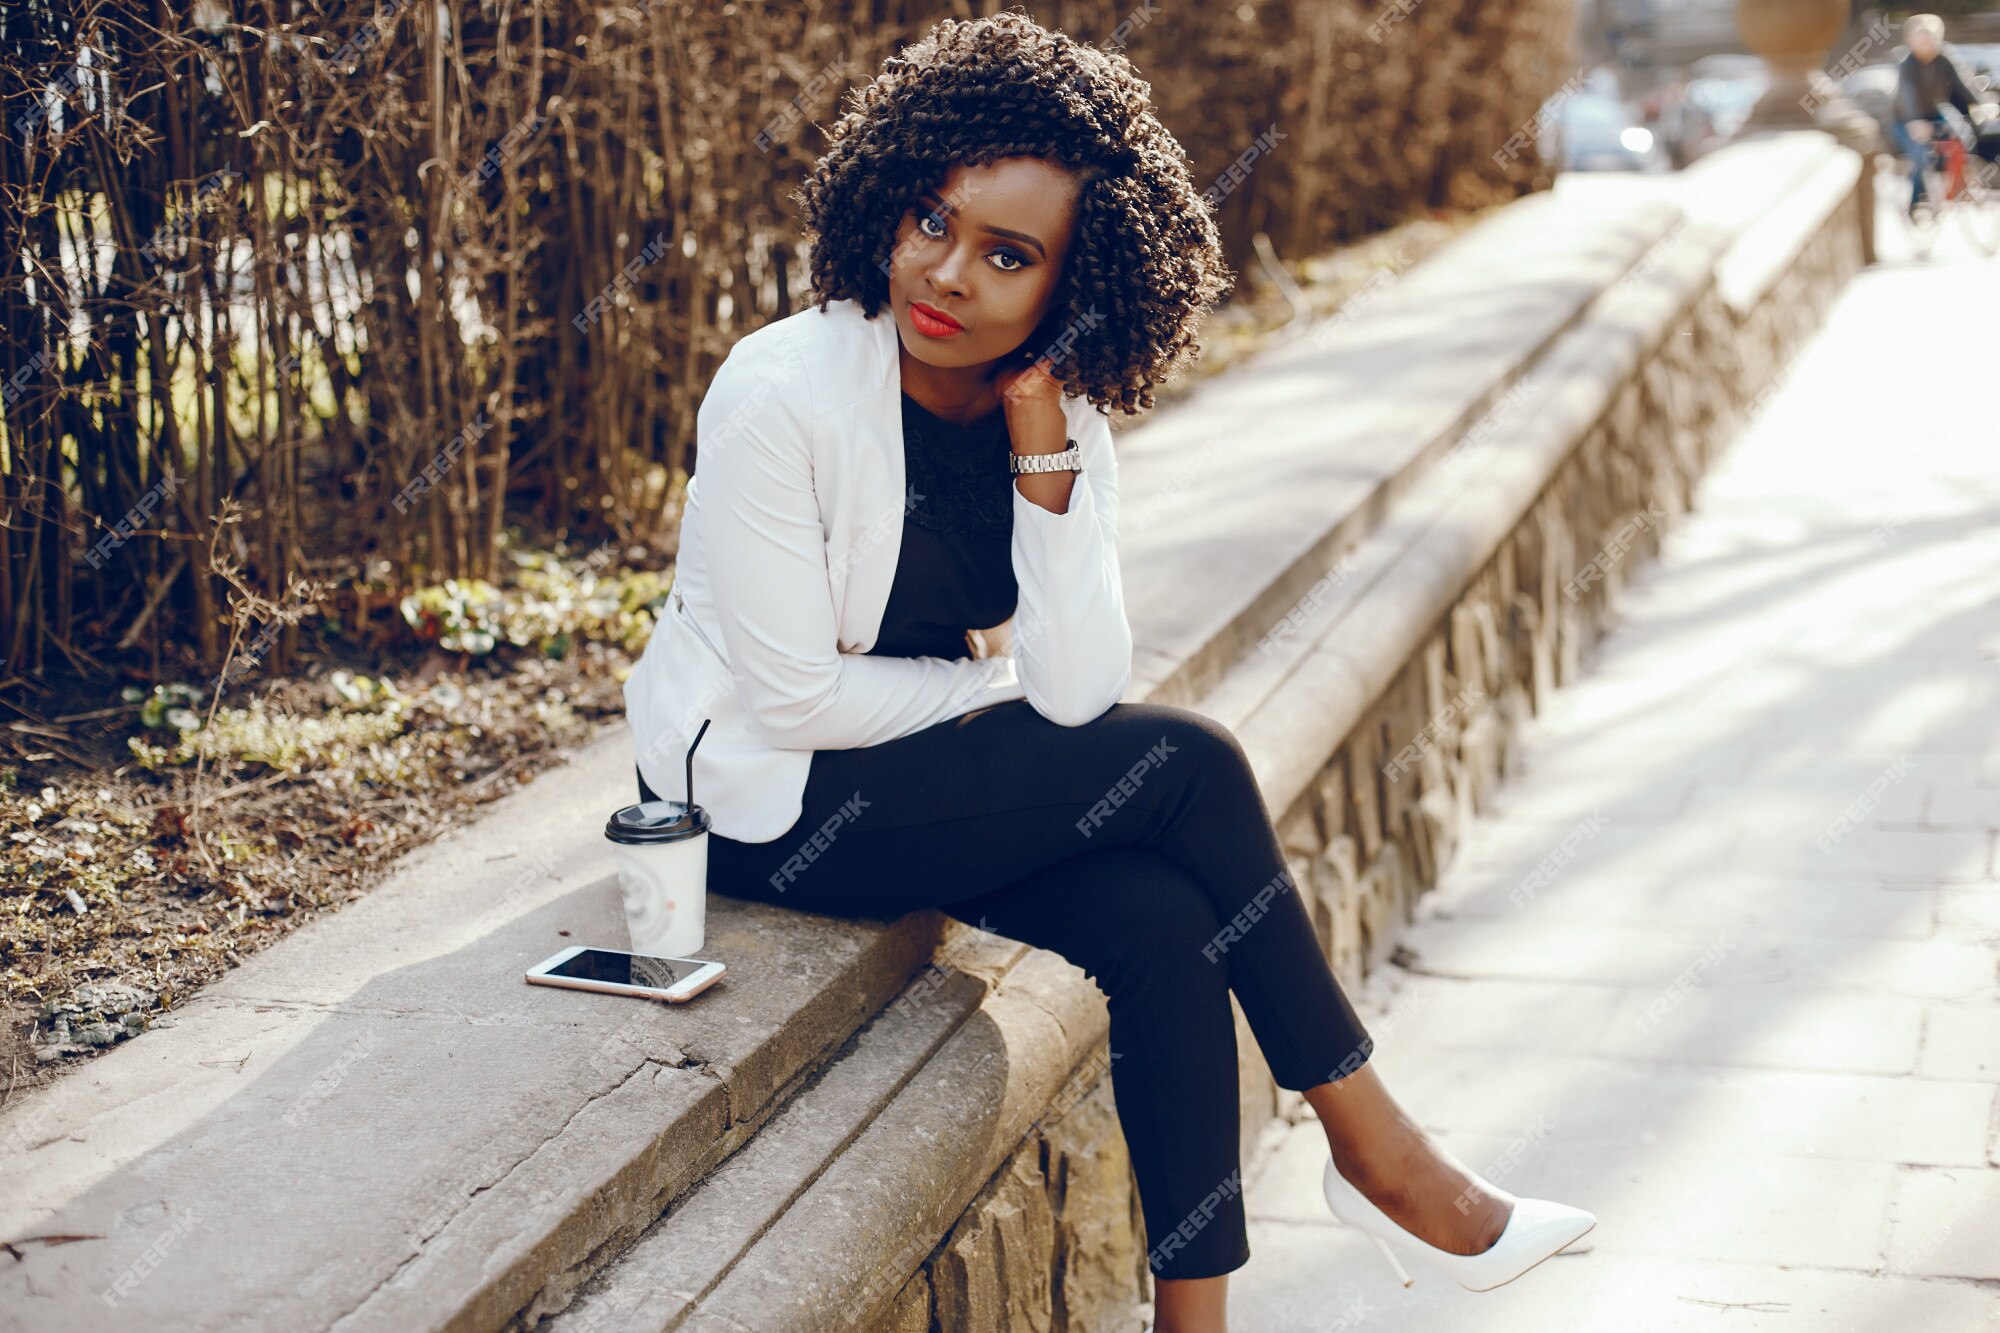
467	1135
1297	705
1238	500
817	1229
1764	247
1393	587
685	1254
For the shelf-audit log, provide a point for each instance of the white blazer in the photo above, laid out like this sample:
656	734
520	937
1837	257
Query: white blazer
789	539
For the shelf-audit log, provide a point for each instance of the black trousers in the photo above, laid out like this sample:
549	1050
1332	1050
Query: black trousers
1138	847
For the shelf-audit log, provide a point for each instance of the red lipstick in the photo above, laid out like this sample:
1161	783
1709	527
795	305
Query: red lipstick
933	323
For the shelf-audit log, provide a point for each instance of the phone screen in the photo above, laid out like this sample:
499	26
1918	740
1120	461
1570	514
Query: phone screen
627	969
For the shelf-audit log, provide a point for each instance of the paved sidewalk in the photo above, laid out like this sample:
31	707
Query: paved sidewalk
1751	1017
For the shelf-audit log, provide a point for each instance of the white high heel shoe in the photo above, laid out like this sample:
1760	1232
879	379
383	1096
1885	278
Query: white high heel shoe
1536	1229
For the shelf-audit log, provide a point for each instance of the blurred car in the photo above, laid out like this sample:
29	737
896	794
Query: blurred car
1729	65
1589	131
1704	109
1726	101
1727	87
1982	66
1982	62
1683	126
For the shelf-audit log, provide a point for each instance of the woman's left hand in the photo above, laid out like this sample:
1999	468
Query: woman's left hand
1032	401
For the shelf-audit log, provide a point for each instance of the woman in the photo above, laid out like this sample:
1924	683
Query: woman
872	491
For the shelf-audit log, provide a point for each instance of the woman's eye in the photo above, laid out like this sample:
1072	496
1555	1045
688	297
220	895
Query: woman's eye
927	220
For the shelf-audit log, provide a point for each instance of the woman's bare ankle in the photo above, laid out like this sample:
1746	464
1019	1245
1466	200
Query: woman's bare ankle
1191	1305
1403	1171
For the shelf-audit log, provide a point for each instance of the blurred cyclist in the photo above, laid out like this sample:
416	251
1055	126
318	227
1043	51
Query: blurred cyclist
1928	77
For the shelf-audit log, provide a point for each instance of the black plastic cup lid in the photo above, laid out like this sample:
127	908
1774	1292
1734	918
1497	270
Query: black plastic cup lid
651	822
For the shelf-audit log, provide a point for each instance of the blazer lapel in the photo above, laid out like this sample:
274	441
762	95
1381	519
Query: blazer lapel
867	538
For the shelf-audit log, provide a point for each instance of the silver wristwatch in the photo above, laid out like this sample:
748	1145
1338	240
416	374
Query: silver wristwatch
1069	460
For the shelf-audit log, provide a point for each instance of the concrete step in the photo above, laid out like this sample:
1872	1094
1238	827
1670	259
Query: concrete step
832	1217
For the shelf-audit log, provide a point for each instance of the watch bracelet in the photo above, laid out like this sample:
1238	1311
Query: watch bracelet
1024	465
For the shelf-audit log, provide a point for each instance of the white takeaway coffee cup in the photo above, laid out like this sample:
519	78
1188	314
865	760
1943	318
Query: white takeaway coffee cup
661	850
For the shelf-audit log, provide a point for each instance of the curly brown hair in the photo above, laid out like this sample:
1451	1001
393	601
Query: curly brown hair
1146	264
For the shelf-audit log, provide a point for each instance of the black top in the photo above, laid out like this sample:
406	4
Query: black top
955	571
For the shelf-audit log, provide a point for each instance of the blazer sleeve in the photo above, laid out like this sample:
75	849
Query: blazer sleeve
1071	642
761	529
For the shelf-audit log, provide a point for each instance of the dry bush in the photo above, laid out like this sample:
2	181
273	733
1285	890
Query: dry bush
393	280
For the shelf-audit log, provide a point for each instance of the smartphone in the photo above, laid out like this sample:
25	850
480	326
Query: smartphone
616	972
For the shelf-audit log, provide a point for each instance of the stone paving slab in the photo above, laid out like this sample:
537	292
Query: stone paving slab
1946	1223
1695	1108
1594	846
1670	962
1971	912
1764	904
1809	1029
1956	806
1808	802
1654	1200
1330	1280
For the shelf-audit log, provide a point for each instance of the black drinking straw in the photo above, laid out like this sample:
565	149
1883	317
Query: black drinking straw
690	760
